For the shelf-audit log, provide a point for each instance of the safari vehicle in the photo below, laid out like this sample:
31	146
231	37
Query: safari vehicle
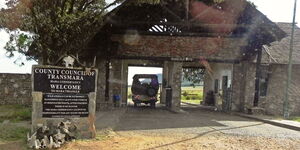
144	89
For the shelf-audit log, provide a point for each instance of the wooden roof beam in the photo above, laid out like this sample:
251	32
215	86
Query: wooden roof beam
184	24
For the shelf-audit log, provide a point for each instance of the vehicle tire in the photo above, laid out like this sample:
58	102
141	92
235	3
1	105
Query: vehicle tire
151	92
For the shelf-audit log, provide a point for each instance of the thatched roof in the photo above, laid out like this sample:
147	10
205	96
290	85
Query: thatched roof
278	51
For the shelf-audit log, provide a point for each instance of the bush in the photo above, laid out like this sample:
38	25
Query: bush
187	98
185	93
194	97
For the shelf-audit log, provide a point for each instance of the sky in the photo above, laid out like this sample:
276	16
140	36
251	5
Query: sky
142	70
275	10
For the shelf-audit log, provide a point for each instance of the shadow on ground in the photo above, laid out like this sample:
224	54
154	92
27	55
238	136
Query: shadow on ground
146	118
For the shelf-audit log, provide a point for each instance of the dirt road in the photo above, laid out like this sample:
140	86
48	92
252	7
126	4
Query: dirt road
145	128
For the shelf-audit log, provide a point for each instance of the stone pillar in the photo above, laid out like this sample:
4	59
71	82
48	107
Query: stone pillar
237	83
116	81
165	78
246	85
124	85
101	86
176	75
172	74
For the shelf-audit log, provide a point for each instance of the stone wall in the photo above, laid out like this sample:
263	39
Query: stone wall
15	89
115	79
273	102
249	83
174	81
169	46
237	89
244	89
243	86
101	86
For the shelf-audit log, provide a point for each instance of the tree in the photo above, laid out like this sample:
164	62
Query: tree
49	29
195	75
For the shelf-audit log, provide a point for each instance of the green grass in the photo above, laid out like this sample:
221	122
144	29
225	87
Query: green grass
198	101
296	119
189	94
13	133
192	95
15	113
190	88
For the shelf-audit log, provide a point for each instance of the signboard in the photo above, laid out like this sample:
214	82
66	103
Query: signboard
63	80
65	90
61	105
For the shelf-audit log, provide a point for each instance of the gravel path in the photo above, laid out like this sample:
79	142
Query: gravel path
196	121
144	128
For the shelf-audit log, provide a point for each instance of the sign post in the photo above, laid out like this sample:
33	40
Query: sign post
61	93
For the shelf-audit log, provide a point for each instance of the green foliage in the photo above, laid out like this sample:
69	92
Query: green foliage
194	97
187	98
56	27
195	75
18	42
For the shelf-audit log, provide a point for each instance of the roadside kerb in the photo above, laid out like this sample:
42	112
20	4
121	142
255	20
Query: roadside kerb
272	122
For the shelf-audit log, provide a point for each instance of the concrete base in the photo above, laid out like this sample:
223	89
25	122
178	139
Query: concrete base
256	111
178	110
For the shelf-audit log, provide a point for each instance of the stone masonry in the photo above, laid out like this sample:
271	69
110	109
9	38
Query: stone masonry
273	102
193	47
15	89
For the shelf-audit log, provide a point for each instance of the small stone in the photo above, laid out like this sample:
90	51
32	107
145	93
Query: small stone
5	122
15	85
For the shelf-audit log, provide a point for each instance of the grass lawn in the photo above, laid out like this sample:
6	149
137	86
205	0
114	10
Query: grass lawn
296	119
197	101
192	95
14	113
189	94
14	122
